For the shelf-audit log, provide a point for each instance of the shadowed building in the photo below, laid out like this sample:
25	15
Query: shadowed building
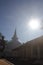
30	50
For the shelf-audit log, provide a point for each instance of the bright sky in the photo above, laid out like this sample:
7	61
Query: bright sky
16	14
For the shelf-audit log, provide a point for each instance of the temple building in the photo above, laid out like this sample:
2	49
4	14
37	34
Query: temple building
30	50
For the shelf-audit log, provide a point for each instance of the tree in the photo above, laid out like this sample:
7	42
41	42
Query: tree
2	43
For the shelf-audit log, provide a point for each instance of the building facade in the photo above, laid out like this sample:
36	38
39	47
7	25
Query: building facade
30	50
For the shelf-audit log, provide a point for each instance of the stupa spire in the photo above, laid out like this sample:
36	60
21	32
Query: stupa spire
15	35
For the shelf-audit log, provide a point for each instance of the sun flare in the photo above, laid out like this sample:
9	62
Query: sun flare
34	24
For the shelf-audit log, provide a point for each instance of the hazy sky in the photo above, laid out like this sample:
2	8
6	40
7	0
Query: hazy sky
16	14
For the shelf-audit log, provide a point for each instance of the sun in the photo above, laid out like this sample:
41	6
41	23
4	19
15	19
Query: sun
34	24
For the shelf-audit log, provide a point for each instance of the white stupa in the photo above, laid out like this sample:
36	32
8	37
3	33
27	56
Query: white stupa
15	40
14	43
